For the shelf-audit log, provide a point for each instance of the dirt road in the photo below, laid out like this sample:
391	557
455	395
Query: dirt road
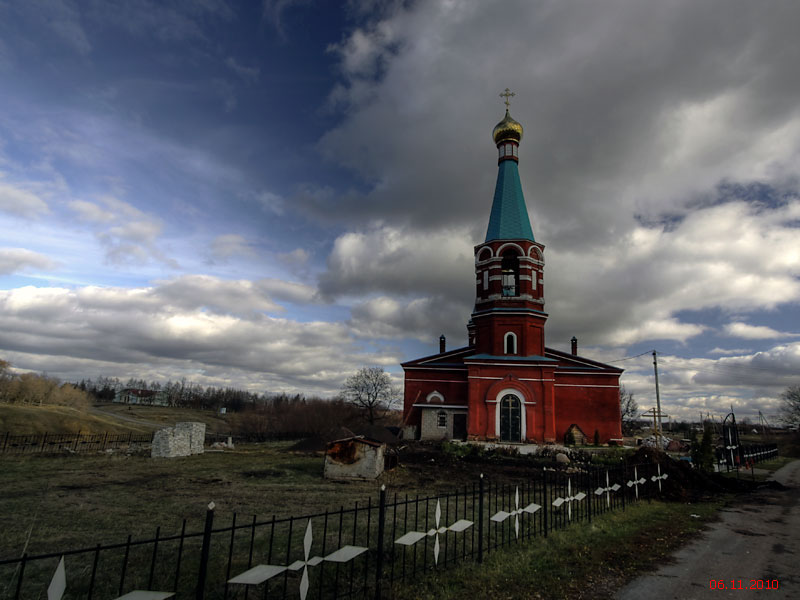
754	543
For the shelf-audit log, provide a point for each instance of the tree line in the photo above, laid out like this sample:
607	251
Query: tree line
366	396
38	389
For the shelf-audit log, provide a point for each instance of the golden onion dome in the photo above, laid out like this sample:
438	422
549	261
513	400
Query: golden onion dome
507	129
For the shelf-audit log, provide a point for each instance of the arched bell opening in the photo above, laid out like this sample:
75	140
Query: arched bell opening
510	273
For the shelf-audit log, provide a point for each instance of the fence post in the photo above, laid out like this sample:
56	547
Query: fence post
21	573
480	520
545	501
44	439
381	526
94	571
201	576
589	491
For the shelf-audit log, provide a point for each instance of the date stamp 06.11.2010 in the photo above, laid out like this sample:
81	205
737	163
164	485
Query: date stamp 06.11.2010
743	584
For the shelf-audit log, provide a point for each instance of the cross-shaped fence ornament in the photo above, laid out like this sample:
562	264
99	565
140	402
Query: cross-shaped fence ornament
607	490
659	478
636	481
569	499
502	515
412	537
260	573
507	94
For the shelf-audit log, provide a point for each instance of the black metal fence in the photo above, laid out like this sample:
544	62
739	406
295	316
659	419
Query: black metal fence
69	442
346	553
734	455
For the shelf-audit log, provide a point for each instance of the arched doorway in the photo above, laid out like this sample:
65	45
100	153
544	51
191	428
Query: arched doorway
510	419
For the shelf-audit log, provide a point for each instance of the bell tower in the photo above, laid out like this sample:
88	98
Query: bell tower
508	319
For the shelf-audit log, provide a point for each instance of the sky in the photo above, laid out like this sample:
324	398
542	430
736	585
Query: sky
271	195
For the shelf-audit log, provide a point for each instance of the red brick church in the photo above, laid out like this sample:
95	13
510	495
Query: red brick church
506	385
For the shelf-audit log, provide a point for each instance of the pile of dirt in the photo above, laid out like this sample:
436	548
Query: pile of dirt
686	484
319	443
428	464
310	445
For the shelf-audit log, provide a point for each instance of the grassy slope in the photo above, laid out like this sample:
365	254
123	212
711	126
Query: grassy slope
168	416
26	420
106	418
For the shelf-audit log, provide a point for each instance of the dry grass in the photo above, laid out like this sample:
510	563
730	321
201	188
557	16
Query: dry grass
81	500
30	419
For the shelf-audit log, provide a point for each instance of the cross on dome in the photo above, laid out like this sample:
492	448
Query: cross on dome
507	94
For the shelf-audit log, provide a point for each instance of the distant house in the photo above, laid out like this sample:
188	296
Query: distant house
144	397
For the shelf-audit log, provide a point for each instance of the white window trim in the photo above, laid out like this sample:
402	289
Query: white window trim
505	343
522	410
439	415
436	396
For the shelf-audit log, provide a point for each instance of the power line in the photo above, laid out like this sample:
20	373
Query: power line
628	357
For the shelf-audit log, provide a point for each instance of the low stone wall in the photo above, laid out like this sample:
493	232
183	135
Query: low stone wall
184	439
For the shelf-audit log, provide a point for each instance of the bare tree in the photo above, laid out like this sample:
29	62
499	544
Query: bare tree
790	411
5	379
628	409
371	390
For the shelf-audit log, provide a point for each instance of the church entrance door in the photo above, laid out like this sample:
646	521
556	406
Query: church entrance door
460	426
510	417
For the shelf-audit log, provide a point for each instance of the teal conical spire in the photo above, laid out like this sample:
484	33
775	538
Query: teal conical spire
509	219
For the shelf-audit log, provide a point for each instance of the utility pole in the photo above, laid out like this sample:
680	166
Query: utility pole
656	414
658	394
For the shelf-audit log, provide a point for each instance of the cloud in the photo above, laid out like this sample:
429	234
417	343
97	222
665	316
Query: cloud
13	260
755	332
229	245
399	260
247	74
128	234
60	20
729	351
168	23
421	318
91	212
632	116
271	202
296	259
273	12
215	332
748	381
627	291
21	202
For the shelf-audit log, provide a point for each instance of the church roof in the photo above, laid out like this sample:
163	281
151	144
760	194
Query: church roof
509	218
565	362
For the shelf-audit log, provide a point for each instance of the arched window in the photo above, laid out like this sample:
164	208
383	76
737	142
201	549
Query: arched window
441	419
510	272
510	343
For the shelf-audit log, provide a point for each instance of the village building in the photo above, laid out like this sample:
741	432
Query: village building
505	385
140	396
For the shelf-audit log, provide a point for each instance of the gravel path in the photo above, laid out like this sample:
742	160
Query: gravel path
754	542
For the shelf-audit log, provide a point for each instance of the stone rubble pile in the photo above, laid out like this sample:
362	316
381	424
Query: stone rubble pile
184	439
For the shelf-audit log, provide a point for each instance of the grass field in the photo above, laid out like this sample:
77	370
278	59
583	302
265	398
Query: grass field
104	418
27	419
580	562
58	502
75	501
